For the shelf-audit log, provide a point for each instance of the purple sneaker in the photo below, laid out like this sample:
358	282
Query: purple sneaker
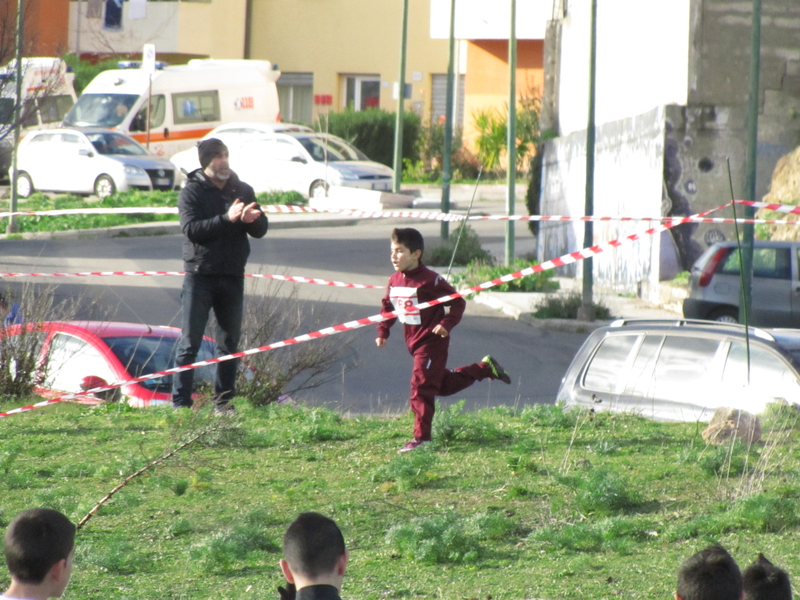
413	445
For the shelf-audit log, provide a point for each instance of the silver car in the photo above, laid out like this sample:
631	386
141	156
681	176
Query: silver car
683	370
714	285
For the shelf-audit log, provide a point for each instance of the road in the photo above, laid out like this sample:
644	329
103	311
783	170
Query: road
367	379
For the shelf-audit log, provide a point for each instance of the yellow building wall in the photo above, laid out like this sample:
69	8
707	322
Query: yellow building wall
487	81
215	29
335	38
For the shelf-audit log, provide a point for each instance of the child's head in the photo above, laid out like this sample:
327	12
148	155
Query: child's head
35	542
711	574
407	248
313	547
764	581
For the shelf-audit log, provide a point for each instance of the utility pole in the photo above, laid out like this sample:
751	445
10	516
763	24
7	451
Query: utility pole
745	307
586	311
448	123
12	220
511	131
401	95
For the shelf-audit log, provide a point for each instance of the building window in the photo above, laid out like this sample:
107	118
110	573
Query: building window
361	91
439	99
295	94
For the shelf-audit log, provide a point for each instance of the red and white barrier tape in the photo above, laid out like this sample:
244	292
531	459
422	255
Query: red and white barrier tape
561	261
783	208
294	278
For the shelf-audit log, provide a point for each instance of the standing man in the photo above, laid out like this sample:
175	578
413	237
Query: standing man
217	213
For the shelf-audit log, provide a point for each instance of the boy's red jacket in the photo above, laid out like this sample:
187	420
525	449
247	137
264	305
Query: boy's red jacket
406	290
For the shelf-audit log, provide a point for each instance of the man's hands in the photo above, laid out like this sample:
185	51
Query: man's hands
247	213
440	331
380	342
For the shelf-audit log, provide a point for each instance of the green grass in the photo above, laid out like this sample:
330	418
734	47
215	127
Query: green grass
44	202
517	504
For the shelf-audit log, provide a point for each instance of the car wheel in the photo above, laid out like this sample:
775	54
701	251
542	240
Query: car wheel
24	185
319	189
104	186
727	314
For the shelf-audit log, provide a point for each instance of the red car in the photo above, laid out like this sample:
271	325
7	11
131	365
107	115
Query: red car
81	355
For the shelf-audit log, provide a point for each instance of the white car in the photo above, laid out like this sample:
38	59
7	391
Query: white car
233	134
308	163
89	161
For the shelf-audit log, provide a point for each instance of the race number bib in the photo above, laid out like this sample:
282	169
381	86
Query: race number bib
405	299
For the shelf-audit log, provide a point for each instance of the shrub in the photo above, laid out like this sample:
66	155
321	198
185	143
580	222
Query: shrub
461	247
726	460
372	132
408	471
565	306
221	550
438	539
478	272
605	492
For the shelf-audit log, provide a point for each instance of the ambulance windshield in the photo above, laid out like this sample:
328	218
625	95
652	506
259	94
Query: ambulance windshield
100	110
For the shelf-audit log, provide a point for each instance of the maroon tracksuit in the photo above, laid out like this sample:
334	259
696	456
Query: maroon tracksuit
430	377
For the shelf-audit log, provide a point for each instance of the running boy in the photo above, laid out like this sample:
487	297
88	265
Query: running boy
427	332
39	547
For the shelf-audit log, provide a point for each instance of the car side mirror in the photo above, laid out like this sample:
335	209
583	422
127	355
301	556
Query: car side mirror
92	381
300	159
85	152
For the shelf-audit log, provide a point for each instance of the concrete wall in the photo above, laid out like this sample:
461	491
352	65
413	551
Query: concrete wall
482	20
628	181
642	59
216	29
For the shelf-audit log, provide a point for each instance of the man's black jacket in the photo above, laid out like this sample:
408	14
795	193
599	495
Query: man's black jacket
214	245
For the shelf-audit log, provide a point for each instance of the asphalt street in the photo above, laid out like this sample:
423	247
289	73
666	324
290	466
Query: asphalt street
364	378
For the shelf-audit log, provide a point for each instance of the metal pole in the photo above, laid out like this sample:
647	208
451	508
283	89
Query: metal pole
448	123
745	311
586	312
511	130
78	33
12	220
398	128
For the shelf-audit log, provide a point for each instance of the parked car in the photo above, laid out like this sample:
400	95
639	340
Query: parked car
306	162
683	370
233	134
80	355
714	285
90	161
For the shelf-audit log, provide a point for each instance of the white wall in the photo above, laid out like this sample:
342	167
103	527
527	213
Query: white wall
642	59
490	19
159	28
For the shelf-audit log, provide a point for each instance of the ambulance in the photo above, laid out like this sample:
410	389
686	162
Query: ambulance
49	95
186	101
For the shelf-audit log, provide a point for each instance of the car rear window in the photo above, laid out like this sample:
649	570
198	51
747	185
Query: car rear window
769	263
610	362
685	368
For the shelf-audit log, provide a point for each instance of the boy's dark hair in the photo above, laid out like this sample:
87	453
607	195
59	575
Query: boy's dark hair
36	540
764	581
711	574
408	237
312	545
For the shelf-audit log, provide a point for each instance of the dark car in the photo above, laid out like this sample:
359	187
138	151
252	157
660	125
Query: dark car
683	370
715	284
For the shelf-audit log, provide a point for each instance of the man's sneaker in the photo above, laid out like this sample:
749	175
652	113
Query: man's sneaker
498	372
412	445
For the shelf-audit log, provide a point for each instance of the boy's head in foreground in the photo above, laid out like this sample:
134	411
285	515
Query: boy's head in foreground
38	547
764	581
711	574
314	552
407	248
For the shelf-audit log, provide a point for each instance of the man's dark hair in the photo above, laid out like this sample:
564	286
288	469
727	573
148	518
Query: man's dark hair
764	581
711	574
408	237
208	150
312	545
36	540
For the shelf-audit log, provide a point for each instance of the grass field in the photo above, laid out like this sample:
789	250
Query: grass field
528	503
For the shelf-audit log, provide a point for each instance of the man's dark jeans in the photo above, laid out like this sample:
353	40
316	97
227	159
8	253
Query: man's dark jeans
201	293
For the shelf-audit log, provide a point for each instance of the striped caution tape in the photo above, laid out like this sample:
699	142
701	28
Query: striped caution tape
561	261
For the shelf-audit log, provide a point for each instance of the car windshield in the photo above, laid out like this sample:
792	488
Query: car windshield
145	355
6	110
337	149
115	143
100	110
